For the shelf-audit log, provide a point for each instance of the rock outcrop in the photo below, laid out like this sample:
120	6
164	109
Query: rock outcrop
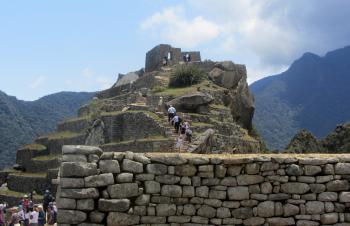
304	142
195	102
337	141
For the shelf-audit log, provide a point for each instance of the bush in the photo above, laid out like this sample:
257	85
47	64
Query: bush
186	75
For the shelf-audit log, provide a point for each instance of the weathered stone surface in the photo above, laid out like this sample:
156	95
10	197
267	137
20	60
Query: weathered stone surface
72	182
317	188
140	157
171	159
310	170
295	188
171	190
189	210
144	177
185	170
313	161
202	191
234	170
253	221
242	213
117	219
78	169
125	177
269	166
85	193
329	218
109	166
279	221
191	102
328	197
220	171
238	193
132	166
153	220
216	194
188	191
164	210
314	207
113	205
85	204
249	179
294	170
206	211
266	188
74	158
266	209
179	219
71	217
338	185
342	168
307	223
167	179
99	180
344	197
306	179
290	210
152	187
64	203
223	212
229	181
143	200
157	169
126	190
324	179
96	216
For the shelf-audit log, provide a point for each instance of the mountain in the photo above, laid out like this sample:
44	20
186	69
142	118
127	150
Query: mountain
312	94
21	121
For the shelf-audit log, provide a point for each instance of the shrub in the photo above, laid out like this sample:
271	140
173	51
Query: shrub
186	75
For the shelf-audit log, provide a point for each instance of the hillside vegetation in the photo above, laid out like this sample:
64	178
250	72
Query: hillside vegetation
22	121
312	94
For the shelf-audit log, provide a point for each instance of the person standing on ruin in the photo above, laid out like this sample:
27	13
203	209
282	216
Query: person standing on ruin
47	199
176	120
171	113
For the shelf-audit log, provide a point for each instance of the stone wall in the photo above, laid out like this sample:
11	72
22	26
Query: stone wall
128	188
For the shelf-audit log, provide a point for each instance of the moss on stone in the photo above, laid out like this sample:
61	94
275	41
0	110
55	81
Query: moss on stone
26	174
6	192
62	135
34	147
46	158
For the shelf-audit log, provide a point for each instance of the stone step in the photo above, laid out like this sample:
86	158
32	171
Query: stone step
42	163
55	141
13	198
27	182
76	125
29	151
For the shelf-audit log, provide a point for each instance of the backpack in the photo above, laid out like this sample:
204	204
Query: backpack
180	119
189	132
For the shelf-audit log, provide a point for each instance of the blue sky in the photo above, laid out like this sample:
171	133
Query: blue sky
82	45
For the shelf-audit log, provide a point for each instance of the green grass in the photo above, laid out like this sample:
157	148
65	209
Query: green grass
25	174
115	113
34	147
46	158
201	124
76	119
7	192
62	135
219	107
152	138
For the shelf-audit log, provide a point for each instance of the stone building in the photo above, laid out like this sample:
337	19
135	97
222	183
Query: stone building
165	54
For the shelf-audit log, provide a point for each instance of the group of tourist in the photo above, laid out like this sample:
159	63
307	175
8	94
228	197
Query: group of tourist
182	128
27	213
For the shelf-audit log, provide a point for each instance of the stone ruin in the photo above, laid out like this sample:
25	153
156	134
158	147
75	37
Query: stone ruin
156	56
124	188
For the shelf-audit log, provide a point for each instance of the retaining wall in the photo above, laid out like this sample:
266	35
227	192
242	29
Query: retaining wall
179	189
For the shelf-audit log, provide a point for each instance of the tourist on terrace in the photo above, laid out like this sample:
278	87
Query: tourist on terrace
2	214
176	120
34	217
51	215
47	199
42	217
14	221
171	113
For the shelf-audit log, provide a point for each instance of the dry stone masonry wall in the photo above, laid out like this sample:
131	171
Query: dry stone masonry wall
128	188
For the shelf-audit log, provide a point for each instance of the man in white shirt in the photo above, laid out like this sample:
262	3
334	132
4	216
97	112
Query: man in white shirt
171	113
176	120
34	217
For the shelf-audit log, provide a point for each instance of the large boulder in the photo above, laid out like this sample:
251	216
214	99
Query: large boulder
227	74
303	142
95	136
203	143
196	102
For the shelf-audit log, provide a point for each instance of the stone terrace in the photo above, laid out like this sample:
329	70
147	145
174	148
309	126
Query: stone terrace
125	188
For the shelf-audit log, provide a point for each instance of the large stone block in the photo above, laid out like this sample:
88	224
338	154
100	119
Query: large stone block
78	169
238	193
206	211
157	169
344	197
81	149
70	216
109	166
295	188
168	179
85	193
126	190
172	191
249	179
85	204
113	205
294	170
171	159
152	187
266	209
96	216
314	207
279	221
99	180
164	210
64	203
338	185
328	197
117	219
132	166
72	182
329	218
185	170
342	168
242	213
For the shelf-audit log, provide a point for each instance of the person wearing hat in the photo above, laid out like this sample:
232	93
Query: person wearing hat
25	202
42	217
14	221
47	199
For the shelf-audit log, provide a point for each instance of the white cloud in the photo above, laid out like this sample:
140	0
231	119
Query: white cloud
266	35
37	82
89	80
173	27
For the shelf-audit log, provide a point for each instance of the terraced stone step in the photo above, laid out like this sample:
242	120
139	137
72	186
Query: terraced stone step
55	141
42	163
161	144
29	151
27	182
13	197
76	125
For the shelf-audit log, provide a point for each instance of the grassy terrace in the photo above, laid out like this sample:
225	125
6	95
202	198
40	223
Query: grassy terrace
25	174
62	135
115	113
153	138
34	147
7	192
46	158
75	119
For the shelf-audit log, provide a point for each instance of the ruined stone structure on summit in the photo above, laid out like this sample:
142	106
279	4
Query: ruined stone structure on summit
155	57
